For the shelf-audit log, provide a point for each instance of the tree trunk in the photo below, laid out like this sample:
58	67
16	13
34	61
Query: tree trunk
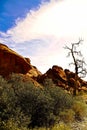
75	91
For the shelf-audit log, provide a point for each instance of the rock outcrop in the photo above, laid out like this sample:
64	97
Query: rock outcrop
63	78
12	62
57	75
34	72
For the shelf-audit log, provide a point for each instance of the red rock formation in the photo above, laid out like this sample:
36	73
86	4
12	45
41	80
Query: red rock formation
63	78
57	74
34	72
10	62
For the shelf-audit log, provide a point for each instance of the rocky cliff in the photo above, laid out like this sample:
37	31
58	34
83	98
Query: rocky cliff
12	62
63	78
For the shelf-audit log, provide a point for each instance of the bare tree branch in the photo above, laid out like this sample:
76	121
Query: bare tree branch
78	61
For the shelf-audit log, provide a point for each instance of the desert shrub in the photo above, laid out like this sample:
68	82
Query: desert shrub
10	105
34	102
8	125
67	115
62	100
48	83
42	110
23	106
80	109
61	126
7	100
11	125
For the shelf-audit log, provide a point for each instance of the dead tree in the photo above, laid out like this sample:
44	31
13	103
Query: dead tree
78	61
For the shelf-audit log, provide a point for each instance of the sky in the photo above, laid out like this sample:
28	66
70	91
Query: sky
39	29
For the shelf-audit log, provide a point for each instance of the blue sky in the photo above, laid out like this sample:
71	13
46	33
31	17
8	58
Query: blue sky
39	29
10	10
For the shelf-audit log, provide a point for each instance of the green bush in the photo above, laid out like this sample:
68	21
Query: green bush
23	106
8	125
62	100
61	126
67	116
80	110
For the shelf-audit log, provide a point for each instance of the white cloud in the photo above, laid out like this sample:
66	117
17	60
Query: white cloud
53	24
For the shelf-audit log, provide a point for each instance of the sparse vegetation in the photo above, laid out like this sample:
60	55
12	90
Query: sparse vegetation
24	106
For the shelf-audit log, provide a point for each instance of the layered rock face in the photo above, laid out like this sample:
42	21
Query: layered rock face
57	75
63	78
34	72
11	62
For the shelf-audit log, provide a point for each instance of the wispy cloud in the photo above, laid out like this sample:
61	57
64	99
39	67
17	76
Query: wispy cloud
42	34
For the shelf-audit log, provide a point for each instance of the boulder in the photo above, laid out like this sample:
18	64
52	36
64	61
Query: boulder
57	75
64	78
34	72
12	62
